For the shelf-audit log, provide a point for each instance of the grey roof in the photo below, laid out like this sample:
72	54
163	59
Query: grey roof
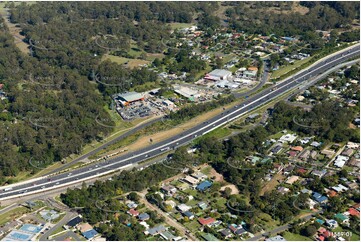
130	96
219	73
157	230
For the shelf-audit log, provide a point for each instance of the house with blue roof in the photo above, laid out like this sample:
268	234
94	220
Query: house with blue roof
320	221
143	216
189	215
319	198
204	185
90	234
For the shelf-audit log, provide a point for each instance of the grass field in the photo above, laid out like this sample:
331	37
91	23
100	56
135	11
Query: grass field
295	237
289	67
12	214
180	25
131	63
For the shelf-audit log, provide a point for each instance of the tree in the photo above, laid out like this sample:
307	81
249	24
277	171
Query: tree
310	230
227	192
219	63
157	62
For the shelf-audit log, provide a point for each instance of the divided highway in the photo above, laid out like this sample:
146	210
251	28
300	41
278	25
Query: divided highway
50	182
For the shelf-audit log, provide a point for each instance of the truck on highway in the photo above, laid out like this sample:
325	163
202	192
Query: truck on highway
8	189
166	148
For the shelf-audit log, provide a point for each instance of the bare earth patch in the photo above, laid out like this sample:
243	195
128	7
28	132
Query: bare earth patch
232	187
352	126
272	184
218	177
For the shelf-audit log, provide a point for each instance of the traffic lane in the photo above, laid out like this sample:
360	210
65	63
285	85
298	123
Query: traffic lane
190	137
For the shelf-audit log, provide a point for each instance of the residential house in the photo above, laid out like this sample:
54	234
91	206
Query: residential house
341	161
288	169
292	153
328	153
209	237
155	230
182	186
283	190
237	229
168	190
170	203
143	216
132	204
191	180
354	162
206	221
320	221
75	221
288	138
166	235
305	155
202	205
226	233
199	176
332	193
319	173
331	223
347	152
354	212
316	144
314	154
183	208
189	215
352	145
342	217
276	149
276	238
90	234
319	198
292	179
83	227
297	148
204	186
340	188
306	191
133	212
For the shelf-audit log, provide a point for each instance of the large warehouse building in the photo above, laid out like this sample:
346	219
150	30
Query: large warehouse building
218	74
128	97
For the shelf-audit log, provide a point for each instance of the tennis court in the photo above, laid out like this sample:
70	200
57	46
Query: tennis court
31	228
17	235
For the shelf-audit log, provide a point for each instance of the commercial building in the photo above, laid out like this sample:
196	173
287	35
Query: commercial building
218	74
128	97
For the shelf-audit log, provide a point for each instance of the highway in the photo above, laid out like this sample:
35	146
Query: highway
50	182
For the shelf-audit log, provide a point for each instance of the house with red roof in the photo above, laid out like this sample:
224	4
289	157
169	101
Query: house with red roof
133	212
301	170
292	153
206	221
297	148
354	212
332	193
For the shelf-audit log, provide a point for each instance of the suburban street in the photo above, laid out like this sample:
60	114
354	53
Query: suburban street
67	179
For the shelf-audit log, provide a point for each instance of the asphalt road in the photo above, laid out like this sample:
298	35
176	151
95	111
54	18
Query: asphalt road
73	177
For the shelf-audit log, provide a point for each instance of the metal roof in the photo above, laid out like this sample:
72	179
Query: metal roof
130	96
